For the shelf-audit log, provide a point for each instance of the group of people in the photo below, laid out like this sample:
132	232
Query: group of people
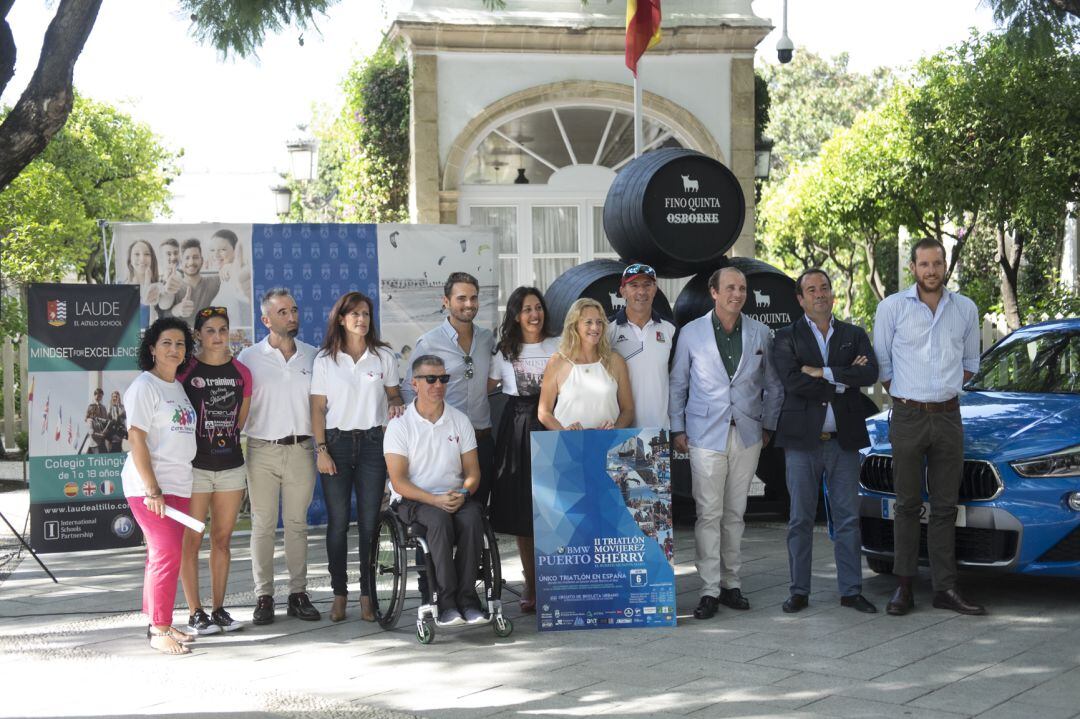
724	389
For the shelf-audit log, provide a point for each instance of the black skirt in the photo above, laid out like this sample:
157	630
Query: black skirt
511	498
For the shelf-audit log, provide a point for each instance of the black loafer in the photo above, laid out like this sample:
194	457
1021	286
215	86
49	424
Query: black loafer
706	608
951	599
264	610
733	598
795	603
859	603
300	607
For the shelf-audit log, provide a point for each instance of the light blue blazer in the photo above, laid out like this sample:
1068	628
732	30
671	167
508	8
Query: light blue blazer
704	400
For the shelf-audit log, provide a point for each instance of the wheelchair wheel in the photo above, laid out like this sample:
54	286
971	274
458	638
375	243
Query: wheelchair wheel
425	632
388	564
503	626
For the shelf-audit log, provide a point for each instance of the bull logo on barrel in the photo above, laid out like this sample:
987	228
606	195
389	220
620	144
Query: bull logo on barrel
689	184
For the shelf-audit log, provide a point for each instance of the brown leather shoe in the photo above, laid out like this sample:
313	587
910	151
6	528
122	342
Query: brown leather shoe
951	599
903	600
367	609
337	609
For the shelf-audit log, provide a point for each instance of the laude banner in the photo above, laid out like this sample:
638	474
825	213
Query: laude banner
83	345
602	521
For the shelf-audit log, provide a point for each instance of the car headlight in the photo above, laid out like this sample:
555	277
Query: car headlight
1065	463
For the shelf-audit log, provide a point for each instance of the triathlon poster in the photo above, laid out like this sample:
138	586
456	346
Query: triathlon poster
605	556
83	345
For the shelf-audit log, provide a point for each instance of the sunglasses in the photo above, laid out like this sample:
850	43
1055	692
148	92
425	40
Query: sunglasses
468	367
211	311
433	378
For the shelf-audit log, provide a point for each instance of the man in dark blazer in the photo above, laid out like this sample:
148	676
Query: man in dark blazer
822	363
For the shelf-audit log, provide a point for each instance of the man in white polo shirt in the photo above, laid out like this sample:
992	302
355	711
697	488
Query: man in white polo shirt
644	339
432	460
280	460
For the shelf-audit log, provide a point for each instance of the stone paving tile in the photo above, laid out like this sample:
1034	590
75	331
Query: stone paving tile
711	648
824	646
926	642
1020	710
838	706
973	694
914	680
622	697
732	696
822	665
1061	692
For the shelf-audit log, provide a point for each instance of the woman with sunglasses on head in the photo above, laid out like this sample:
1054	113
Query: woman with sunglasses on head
354	393
219	387
157	471
586	385
524	347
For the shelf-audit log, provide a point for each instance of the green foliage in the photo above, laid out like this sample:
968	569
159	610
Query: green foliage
812	97
102	164
1031	24
241	26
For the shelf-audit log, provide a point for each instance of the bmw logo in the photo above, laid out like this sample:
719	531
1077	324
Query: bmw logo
123	526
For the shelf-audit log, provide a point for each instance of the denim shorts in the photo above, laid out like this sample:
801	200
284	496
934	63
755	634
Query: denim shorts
227	480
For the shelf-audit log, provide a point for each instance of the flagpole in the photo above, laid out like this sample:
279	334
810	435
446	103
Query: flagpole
638	134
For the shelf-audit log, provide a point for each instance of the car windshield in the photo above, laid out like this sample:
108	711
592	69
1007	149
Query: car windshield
1029	362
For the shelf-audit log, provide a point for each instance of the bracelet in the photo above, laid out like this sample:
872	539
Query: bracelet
321	447
154	496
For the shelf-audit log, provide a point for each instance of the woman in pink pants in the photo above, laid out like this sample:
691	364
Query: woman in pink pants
157	471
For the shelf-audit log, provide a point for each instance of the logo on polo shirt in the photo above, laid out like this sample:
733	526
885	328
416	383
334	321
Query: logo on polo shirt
660	337
621	338
455	438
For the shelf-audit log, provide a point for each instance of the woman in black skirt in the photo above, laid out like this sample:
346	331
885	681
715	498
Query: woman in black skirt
525	345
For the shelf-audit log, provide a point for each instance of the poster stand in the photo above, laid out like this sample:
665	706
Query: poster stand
28	548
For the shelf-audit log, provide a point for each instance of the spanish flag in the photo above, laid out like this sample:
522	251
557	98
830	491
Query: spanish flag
642	29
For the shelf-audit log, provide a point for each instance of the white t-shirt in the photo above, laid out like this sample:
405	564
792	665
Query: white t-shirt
646	351
280	392
522	375
433	449
355	391
162	410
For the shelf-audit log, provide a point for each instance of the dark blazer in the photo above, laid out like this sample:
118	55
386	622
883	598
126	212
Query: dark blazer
805	397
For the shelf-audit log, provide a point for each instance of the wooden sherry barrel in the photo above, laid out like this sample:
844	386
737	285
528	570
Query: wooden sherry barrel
770	295
598	279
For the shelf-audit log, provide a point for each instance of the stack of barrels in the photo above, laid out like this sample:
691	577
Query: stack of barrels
681	212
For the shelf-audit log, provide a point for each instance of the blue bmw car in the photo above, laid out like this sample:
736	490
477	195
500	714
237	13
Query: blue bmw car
1020	494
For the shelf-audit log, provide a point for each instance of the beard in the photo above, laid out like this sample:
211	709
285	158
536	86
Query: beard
931	286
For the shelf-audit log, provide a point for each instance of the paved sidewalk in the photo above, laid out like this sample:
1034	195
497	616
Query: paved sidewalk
77	649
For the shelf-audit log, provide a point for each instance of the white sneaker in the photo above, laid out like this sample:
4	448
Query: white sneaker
474	616
200	623
451	618
221	618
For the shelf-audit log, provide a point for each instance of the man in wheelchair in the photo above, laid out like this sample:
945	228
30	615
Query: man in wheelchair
431	458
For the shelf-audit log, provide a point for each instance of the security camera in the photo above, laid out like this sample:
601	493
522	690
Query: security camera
784	49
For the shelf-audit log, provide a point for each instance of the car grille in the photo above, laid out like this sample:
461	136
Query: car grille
980	480
1066	550
974	545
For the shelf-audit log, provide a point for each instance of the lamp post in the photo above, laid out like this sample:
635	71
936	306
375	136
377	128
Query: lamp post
282	200
302	157
763	158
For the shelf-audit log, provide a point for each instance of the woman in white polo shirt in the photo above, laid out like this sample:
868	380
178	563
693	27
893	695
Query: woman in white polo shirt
354	393
157	471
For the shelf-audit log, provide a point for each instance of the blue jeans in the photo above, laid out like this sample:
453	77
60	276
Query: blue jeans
361	471
804	472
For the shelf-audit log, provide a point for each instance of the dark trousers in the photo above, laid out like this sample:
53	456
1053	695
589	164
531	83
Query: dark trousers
934	441
485	454
361	471
455	575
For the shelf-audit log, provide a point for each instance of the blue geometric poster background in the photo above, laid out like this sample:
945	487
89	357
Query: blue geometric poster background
602	527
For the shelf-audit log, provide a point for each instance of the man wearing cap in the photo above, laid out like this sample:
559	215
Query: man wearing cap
725	399
644	339
822	362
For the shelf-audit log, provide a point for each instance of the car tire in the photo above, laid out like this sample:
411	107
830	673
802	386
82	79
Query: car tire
879	566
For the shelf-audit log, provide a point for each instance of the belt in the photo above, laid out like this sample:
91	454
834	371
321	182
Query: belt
826	436
931	407
483	433
291	439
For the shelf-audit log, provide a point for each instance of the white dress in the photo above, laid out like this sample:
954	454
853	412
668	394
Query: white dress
589	395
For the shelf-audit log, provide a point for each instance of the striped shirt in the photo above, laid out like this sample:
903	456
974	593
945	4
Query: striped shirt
925	354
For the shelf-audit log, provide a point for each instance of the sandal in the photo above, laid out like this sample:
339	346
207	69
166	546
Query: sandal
527	606
165	643
176	634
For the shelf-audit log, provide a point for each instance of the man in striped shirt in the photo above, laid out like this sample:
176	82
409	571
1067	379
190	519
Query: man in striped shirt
927	344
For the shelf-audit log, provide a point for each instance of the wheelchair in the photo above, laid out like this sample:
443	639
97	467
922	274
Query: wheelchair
399	548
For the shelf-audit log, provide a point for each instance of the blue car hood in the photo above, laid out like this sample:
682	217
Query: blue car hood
1003	426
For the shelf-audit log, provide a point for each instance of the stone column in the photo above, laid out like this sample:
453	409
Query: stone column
424	140
742	146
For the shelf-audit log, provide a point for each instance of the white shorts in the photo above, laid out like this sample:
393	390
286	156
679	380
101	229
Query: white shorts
227	480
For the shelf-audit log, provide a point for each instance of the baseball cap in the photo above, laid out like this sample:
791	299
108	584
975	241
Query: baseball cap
635	270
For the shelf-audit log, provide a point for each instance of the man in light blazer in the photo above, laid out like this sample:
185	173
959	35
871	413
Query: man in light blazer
725	400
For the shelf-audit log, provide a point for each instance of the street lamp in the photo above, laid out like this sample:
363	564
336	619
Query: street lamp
302	157
282	200
763	158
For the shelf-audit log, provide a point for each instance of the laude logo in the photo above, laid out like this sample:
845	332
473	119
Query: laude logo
56	312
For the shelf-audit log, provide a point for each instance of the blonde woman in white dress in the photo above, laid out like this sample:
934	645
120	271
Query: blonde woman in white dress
586	385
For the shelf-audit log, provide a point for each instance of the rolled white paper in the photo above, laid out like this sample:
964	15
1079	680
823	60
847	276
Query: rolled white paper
184	519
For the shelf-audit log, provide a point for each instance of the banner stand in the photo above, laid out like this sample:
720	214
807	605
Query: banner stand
28	548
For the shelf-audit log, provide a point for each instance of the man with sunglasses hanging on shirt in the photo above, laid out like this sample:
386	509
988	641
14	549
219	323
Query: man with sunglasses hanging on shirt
465	350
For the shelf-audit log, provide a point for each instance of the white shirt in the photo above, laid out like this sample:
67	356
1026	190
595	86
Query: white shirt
162	410
522	375
433	449
647	351
281	391
355	391
925	354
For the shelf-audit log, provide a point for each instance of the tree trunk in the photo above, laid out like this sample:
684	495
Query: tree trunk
877	285
45	105
7	46
1070	6
1008	256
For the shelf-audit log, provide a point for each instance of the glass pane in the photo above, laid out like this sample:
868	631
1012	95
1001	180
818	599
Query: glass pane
554	229
503	218
507	282
600	244
547	270
584	126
